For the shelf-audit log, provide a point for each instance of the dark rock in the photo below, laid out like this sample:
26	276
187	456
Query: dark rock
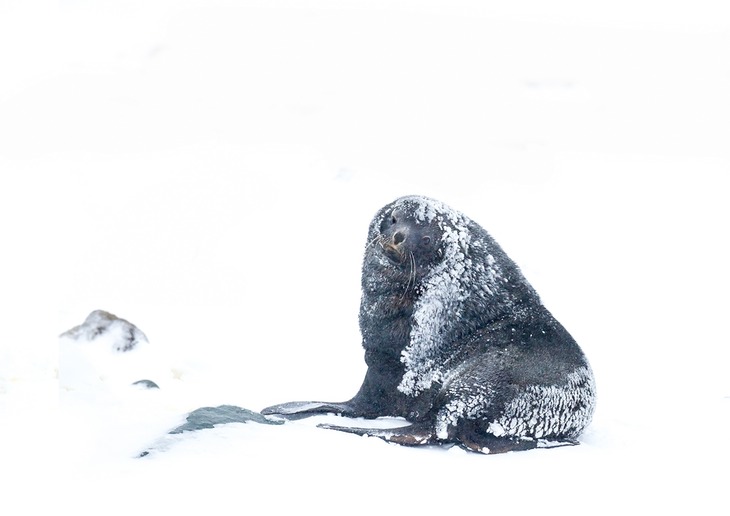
146	384
125	335
209	417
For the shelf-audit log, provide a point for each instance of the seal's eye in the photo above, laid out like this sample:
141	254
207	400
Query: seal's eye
393	220
426	240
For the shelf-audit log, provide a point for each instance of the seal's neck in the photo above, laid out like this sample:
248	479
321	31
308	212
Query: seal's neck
385	323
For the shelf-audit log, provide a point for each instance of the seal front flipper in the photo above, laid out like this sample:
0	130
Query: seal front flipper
410	435
302	409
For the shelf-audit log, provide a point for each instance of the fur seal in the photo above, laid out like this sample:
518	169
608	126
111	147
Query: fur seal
457	342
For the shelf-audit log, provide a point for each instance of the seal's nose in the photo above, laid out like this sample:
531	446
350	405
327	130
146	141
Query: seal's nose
398	237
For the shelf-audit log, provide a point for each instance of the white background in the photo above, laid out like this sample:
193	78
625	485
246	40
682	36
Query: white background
207	170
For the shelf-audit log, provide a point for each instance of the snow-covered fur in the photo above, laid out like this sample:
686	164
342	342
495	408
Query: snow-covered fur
473	283
457	341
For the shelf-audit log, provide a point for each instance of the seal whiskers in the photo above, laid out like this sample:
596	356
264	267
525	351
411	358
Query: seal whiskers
411	275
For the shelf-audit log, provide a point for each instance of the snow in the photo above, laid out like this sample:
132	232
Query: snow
208	171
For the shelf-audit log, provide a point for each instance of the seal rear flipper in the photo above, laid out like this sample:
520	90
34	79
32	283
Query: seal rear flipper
491	444
302	409
410	435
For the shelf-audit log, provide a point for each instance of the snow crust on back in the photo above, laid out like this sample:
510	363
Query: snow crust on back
541	411
467	270
553	404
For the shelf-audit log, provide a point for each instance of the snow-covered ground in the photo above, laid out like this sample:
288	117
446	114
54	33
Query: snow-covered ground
207	170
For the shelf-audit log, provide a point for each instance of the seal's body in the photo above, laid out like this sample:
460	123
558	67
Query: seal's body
457	341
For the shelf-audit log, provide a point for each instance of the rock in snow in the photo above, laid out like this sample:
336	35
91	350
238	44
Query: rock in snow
122	335
110	352
209	417
146	384
206	418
